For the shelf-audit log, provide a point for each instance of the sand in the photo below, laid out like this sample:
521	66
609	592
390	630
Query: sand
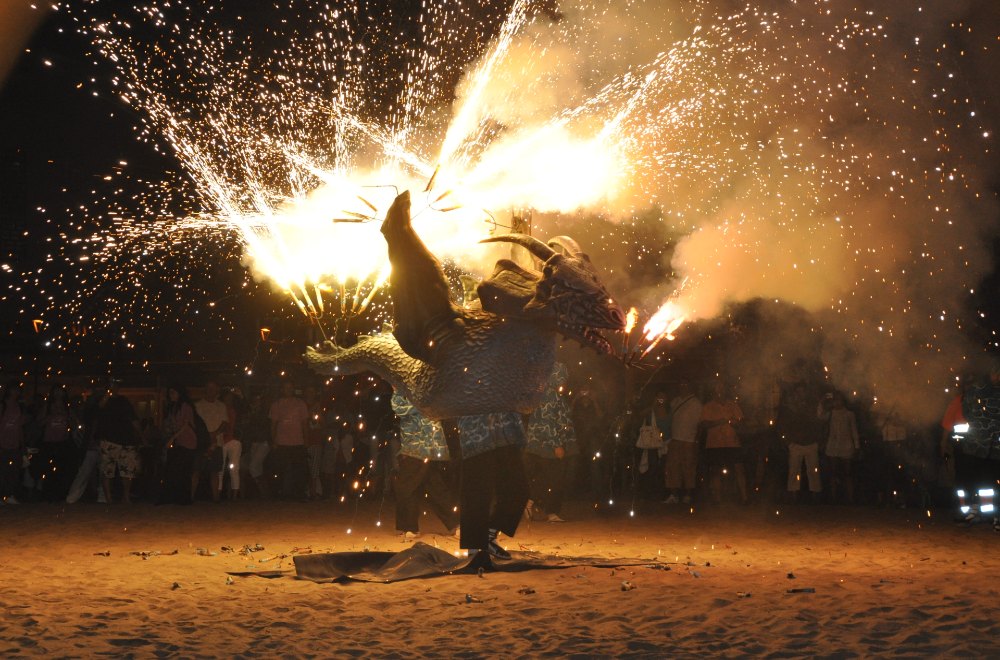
886	583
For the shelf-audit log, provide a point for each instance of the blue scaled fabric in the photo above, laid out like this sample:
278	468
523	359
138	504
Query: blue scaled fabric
479	434
419	437
551	424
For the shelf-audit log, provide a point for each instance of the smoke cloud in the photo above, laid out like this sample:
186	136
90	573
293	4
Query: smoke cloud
826	160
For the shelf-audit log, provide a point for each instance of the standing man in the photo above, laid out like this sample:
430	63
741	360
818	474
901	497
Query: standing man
723	451
118	434
213	412
842	445
682	450
801	430
289	425
12	421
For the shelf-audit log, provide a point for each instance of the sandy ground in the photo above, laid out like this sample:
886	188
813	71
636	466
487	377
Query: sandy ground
886	583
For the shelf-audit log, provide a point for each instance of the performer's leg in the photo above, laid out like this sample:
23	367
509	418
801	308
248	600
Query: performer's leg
441	496
477	481
511	489
409	478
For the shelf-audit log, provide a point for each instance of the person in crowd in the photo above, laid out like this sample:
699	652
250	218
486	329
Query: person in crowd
842	445
421	471
256	434
763	456
289	425
589	429
12	421
182	446
681	464
894	483
232	449
118	434
551	448
719	417
92	450
376	414
801	430
314	441
212	410
338	454
953	417
649	474
57	453
152	455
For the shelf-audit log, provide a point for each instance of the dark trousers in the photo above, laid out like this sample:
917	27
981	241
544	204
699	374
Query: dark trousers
177	476
547	477
10	471
494	492
54	467
414	479
292	466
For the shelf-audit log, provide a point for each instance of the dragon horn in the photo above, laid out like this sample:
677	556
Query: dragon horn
566	245
529	243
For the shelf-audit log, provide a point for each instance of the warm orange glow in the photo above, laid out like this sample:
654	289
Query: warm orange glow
630	320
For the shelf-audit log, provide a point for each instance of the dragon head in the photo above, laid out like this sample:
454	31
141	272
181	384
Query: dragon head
567	296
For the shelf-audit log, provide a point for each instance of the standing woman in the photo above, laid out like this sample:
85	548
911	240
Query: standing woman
182	445
12	421
58	451
232	450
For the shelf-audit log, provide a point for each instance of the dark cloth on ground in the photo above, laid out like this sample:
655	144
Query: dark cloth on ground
423	560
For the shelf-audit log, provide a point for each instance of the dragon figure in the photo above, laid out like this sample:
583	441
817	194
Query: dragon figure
491	356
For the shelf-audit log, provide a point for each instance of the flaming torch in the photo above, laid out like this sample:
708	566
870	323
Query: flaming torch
662	325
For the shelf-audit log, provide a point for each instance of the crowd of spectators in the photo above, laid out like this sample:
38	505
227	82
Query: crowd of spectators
800	441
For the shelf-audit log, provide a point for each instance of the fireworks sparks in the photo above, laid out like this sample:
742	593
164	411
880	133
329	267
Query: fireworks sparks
798	152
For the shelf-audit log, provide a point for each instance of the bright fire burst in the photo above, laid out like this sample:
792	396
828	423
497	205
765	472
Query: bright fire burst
817	153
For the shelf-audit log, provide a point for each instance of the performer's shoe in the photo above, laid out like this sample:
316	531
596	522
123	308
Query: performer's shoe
554	518
409	536
496	550
480	560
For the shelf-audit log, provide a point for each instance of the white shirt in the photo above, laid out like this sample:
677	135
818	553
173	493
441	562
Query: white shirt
213	413
686	417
